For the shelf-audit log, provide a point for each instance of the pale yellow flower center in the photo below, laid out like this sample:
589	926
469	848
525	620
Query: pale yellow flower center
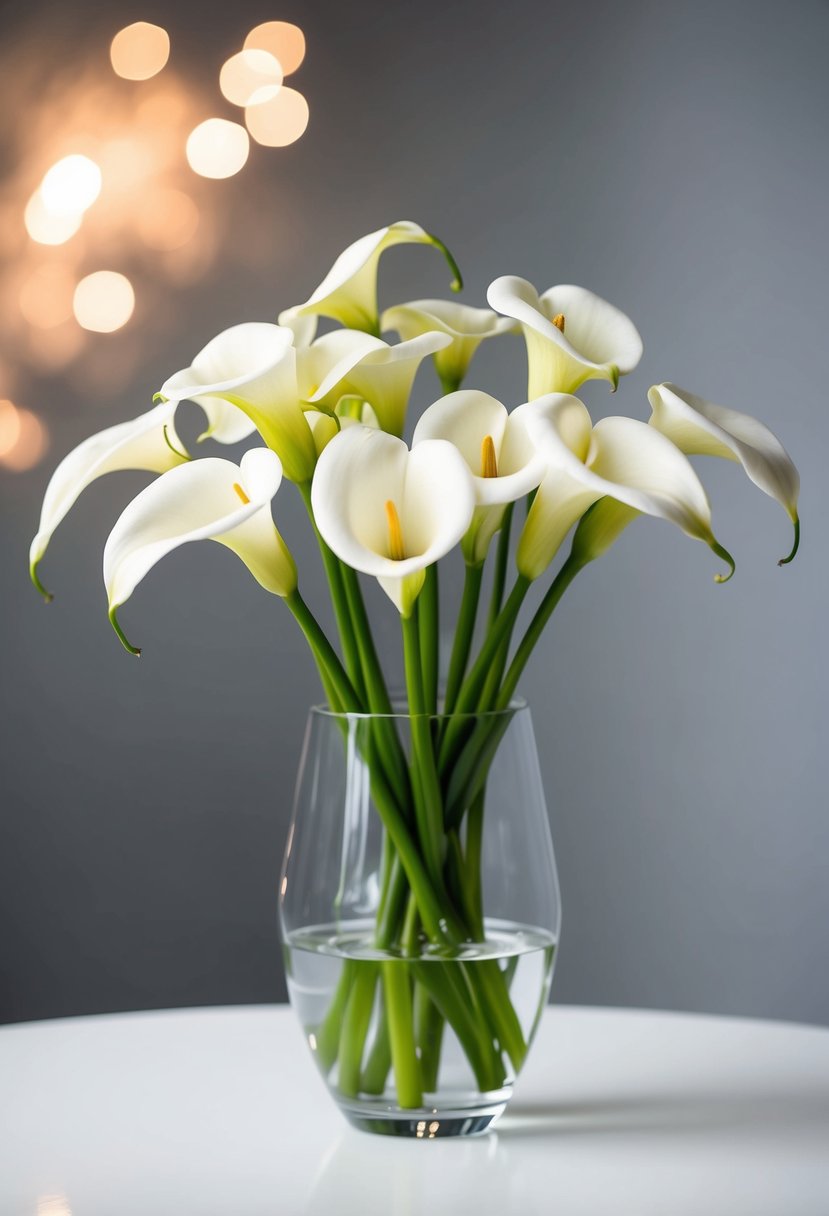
397	551
241	493
558	321
489	461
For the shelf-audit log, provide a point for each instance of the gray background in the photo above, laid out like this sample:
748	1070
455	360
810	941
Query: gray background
671	157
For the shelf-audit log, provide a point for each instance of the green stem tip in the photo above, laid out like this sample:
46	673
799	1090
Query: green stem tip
457	281
784	561
33	575
113	620
717	548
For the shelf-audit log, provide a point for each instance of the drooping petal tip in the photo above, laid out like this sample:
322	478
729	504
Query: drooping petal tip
784	561
33	575
176	451
113	620
457	281
717	548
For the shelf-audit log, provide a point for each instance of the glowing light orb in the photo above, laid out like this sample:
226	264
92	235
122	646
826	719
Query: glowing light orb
71	186
23	438
250	77
282	39
47	228
139	51
103	301
217	148
46	297
278	122
168	220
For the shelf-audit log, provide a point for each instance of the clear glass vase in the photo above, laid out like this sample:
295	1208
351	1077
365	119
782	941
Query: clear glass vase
420	913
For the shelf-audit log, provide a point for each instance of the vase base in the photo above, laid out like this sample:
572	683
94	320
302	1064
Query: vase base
424	1124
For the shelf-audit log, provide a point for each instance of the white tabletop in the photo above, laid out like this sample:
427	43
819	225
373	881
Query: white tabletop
221	1111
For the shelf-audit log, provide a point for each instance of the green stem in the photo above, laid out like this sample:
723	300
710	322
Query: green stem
499	577
354	1029
428	801
429	1023
398	994
376	1071
323	651
464	633
428	619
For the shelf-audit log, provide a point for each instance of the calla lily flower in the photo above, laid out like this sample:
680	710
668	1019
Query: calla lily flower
391	512
208	499
147	442
348	293
572	335
699	428
501	457
349	363
467	327
618	458
245	380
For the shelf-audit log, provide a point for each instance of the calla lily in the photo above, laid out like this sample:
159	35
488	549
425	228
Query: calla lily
572	335
245	380
350	411
618	458
391	512
147	442
208	499
348	293
501	457
467	327
347	362
699	428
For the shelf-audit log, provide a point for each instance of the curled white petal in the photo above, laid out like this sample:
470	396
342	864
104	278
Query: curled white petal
245	380
467	328
359	473
348	293
210	499
148	442
698	427
598	341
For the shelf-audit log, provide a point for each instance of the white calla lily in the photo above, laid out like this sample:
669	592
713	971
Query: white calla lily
699	428
350	363
618	458
466	326
501	457
572	335
391	512
348	293
245	380
210	499
148	442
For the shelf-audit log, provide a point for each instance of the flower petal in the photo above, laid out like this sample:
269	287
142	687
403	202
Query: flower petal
348	293
138	444
208	499
363	469
598	340
466	326
699	428
251	368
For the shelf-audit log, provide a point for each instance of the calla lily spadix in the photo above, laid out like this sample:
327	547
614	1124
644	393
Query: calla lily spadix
466	326
148	442
348	293
349	363
618	458
245	380
391	512
210	499
699	428
501	457
572	335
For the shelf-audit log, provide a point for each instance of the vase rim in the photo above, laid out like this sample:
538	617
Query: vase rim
516	705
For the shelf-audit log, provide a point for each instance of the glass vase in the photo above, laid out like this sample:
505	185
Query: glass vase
420	913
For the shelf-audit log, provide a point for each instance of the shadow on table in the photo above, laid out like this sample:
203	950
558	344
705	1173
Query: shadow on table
766	1111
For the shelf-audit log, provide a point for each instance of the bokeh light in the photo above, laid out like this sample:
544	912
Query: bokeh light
46	296
104	301
47	228
278	122
139	51
218	148
250	77
23	438
282	39
168	220
71	186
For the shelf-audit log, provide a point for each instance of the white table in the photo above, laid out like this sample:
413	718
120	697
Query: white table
221	1111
